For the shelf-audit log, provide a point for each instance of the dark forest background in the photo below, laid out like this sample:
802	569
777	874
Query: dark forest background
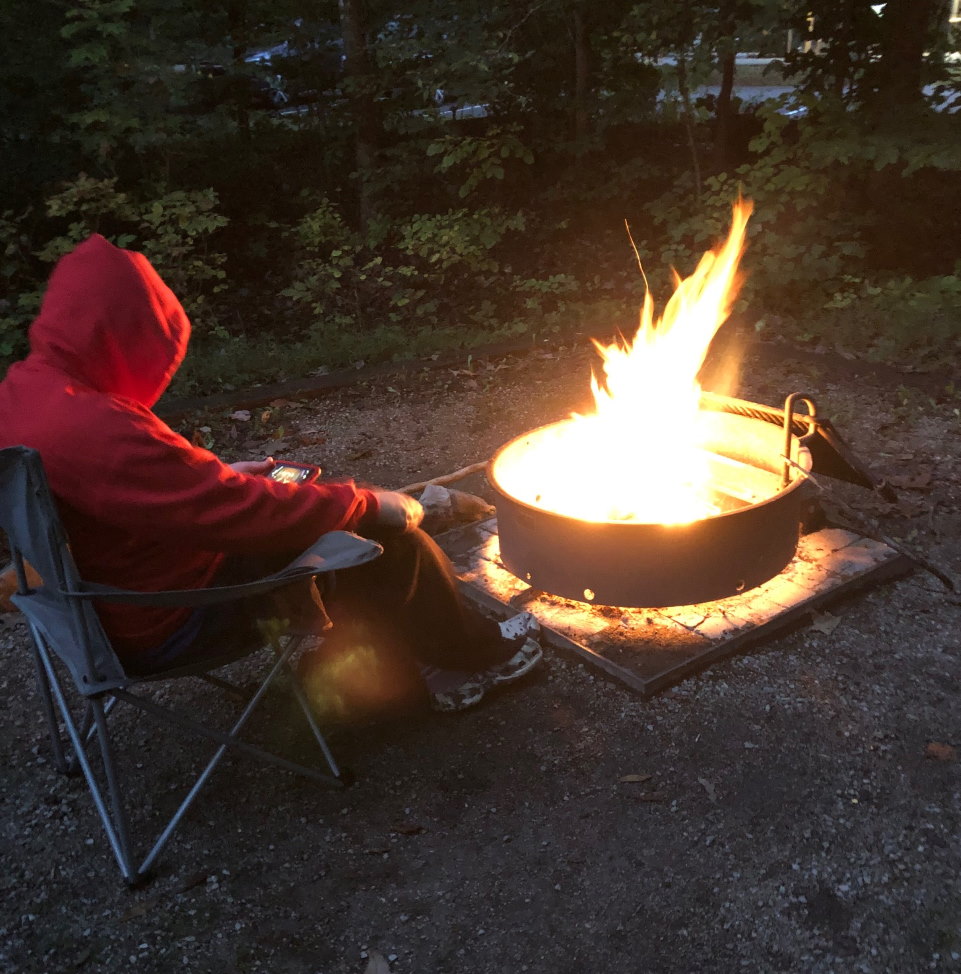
326	182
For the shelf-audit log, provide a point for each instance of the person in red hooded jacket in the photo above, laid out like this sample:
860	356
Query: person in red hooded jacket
146	509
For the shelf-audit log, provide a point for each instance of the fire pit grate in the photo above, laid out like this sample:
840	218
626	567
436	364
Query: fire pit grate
652	649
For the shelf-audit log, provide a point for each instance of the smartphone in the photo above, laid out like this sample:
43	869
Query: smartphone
289	472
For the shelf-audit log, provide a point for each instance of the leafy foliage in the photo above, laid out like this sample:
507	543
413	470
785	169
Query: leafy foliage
473	179
430	271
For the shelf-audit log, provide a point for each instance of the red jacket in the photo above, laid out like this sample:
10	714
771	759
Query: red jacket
143	508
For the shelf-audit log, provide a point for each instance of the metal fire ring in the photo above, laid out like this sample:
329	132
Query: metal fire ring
649	565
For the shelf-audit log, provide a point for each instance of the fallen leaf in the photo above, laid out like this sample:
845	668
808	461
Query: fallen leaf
377	964
407	828
919	479
709	788
242	415
876	506
138	910
635	777
194	879
311	437
940	752
913	506
825	622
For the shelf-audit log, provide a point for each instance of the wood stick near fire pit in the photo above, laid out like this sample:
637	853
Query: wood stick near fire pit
447	478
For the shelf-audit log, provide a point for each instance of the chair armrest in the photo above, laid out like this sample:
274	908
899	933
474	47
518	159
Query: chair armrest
336	550
331	552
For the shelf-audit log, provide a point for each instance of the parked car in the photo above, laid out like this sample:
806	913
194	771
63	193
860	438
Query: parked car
303	67
218	85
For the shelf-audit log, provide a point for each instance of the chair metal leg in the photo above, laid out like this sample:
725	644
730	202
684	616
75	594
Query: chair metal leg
230	739
109	801
297	687
89	727
298	690
113	783
43	688
86	731
117	837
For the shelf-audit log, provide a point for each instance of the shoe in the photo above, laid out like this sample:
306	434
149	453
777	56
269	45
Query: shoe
459	698
523	624
518	665
452	690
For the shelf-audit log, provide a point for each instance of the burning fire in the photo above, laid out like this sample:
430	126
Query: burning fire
639	456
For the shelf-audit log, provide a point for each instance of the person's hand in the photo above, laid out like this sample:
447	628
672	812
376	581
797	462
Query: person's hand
255	468
398	512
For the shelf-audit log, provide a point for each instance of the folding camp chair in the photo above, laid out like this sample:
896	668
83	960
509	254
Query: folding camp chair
67	634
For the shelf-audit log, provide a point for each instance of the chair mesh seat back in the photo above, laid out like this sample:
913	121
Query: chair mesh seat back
70	627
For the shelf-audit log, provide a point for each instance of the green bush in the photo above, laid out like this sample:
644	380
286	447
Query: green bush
175	230
806	232
913	322
431	270
17	276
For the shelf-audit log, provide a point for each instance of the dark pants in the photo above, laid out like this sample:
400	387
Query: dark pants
405	604
409	602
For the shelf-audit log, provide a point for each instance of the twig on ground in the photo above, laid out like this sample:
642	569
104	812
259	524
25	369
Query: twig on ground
448	478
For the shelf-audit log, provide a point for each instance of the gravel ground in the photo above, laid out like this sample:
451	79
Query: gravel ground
792	809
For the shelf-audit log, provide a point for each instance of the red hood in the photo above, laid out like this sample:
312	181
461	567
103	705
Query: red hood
109	322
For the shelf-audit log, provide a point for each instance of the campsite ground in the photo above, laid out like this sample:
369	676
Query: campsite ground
795	808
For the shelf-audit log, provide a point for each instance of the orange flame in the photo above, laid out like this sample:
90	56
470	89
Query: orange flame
638	457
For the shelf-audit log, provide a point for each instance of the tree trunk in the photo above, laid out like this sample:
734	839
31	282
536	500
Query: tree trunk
724	109
237	25
687	114
908	28
358	73
582	52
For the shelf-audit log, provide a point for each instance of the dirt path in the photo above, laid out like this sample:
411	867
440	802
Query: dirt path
794	809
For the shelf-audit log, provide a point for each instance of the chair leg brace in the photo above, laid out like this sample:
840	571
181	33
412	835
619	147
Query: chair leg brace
117	834
117	837
298	691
